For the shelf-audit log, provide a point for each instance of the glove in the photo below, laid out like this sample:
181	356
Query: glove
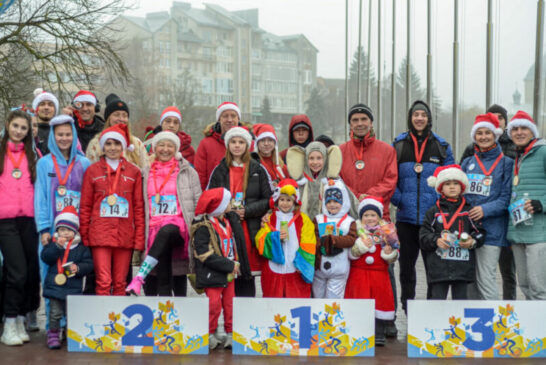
359	248
537	206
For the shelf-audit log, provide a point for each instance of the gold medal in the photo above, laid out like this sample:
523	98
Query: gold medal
487	181
418	167
157	198
60	279
515	181
61	190
111	199
359	164
16	173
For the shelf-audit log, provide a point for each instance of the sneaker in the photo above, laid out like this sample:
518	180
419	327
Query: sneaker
229	341
213	341
53	341
32	322
20	324
390	330
135	286
10	336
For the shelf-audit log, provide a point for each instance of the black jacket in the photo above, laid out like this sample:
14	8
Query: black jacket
43	138
86	134
258	192
80	255
508	148
439	270
212	271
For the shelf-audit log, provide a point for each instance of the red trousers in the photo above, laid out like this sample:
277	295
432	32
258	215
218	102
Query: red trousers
283	285
221	298
111	268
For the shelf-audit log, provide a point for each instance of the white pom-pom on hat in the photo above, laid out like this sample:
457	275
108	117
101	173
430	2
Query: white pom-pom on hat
37	91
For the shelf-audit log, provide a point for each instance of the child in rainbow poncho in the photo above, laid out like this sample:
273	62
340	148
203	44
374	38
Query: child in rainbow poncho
287	240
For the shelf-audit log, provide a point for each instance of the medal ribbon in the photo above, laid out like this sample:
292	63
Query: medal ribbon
112	188
62	179
224	235
447	225
236	185
18	163
482	167
419	152
158	191
517	164
308	177
339	222
360	154
296	215
65	257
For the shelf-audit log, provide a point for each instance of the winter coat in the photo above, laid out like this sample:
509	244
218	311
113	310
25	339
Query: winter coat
47	203
211	267
89	131
43	138
413	197
532	180
16	195
508	148
138	157
210	152
186	149
439	270
80	255
296	119
111	231
188	192
258	192
495	206
380	173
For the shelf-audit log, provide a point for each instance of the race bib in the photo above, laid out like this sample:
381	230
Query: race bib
118	210
167	206
517	213
70	198
227	248
479	184
455	253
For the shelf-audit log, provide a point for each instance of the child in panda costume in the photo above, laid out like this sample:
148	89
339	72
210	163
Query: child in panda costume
375	248
336	233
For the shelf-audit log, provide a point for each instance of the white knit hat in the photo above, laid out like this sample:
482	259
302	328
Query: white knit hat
40	95
61	119
371	203
238	132
447	173
228	105
522	119
68	218
169	136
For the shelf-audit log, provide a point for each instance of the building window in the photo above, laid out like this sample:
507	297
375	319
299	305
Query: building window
207	86
225	67
256	53
307	79
164	47
224	52
224	86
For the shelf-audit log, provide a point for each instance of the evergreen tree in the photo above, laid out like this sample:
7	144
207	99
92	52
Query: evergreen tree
316	110
267	116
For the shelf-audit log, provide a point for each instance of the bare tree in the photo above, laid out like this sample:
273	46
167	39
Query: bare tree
58	44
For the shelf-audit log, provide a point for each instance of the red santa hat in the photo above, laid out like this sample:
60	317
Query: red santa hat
213	202
371	203
238	132
489	121
68	218
447	173
40	96
169	136
118	132
522	119
262	131
170	111
228	105
85	96
61	119
287	187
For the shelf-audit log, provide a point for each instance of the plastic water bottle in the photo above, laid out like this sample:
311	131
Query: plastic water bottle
527	222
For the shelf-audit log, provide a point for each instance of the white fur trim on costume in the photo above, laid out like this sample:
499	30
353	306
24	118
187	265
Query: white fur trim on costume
115	136
359	248
391	257
226	199
228	106
496	131
522	123
369	260
384	315
86	98
372	249
238	132
170	114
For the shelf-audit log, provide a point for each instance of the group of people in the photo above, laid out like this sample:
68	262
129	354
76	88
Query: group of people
84	200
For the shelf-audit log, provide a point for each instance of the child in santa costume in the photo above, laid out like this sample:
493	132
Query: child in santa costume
288	242
336	233
375	248
220	252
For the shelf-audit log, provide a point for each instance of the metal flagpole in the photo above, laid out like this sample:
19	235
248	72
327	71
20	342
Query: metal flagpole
429	54
393	73
346	65
379	124
408	57
489	56
368	84
537	102
455	126
359	51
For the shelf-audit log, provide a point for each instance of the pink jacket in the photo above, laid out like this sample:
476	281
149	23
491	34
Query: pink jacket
16	195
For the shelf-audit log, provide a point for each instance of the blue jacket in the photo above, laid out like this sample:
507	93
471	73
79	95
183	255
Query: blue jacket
80	255
495	206
45	202
413	197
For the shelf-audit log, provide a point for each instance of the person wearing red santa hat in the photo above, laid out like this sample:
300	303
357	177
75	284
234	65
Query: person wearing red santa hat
171	121
266	150
220	255
249	185
112	211
375	248
45	106
171	191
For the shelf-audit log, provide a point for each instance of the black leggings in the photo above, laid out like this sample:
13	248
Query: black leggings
19	247
165	241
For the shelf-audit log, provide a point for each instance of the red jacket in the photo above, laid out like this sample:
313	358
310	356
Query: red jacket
296	119
210	152
186	148
380	172
112	232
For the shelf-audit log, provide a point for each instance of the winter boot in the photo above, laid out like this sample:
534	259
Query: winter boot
228	343
10	336
379	333
32	322
53	341
20	323
135	286
213	341
390	330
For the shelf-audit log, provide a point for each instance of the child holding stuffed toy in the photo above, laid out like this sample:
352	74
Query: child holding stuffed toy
287	241
375	248
335	232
